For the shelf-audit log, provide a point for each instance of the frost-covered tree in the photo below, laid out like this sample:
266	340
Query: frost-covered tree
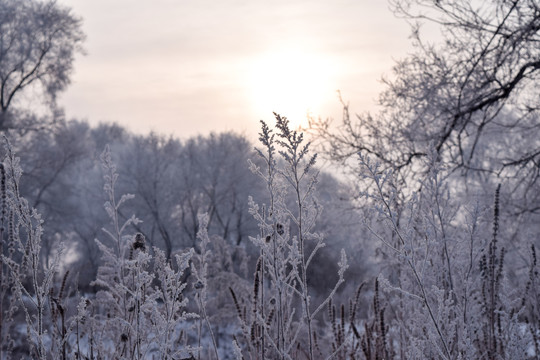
467	100
174	181
470	92
38	42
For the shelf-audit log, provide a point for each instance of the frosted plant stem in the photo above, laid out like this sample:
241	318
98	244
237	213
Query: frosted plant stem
281	327
422	288
1	281
199	340
203	310
3	213
262	306
443	234
305	295
27	221
409	262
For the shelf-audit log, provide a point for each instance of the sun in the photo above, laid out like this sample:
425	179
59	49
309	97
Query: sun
292	83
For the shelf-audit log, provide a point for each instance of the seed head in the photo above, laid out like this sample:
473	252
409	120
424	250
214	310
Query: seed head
279	228
198	285
139	242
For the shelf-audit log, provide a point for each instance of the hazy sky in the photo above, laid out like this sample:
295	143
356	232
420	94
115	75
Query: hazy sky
189	67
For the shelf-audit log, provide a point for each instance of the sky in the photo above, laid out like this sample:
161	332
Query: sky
189	67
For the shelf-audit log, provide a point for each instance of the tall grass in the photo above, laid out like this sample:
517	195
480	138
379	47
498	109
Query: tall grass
445	288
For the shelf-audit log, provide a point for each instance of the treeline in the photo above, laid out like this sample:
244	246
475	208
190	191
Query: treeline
99	221
172	180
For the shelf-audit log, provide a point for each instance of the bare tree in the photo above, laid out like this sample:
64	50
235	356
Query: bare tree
152	166
473	95
38	41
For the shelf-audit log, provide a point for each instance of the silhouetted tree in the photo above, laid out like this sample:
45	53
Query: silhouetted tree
38	41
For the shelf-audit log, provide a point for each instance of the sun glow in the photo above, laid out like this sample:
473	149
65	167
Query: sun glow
291	83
